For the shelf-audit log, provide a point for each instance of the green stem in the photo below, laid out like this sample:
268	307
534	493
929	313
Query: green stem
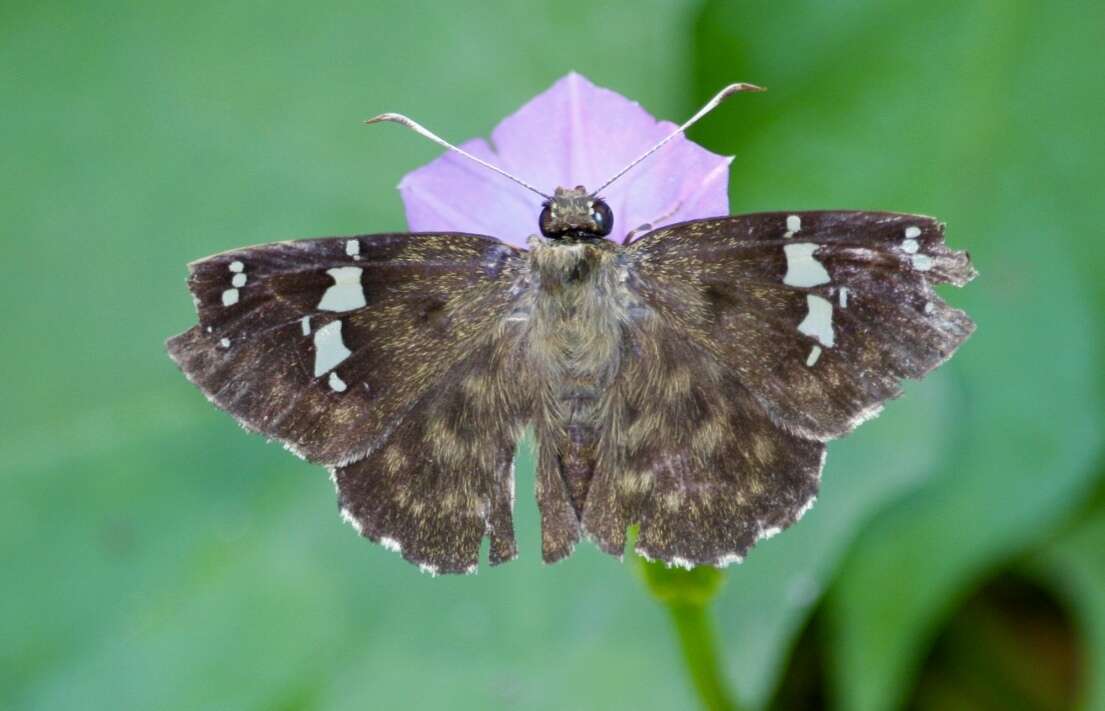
700	654
687	595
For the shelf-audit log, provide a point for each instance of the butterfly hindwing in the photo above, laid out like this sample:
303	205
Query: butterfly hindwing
381	356
444	479
697	462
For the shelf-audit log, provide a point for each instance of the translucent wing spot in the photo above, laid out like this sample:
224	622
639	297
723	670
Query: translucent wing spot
819	320
815	353
238	279
330	350
794	225
843	297
803	269
305	325
353	248
922	262
224	342
336	383
909	244
230	297
929	307
346	293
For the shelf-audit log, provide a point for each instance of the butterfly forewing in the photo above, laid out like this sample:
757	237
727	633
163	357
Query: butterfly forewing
371	354
324	343
819	314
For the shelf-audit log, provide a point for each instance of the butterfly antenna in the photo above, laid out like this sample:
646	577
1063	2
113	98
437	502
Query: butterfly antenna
423	131
710	106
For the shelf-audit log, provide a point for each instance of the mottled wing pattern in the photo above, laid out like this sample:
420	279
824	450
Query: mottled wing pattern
761	336
820	315
376	355
692	457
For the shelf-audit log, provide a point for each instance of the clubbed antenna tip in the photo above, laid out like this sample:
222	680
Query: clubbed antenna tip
710	106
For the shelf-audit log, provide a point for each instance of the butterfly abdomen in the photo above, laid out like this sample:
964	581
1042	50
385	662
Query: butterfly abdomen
574	344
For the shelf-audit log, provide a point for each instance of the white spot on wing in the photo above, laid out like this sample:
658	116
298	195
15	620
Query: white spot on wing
815	353
922	262
819	320
843	297
346	293
238	279
803	269
353	248
929	307
329	348
794	224
336	383
909	244
305	325
236	266
224	342
230	297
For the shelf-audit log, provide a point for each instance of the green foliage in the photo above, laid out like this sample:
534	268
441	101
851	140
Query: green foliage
1074	565
157	557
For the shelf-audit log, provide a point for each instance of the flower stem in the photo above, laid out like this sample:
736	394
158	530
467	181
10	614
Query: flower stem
687	595
696	638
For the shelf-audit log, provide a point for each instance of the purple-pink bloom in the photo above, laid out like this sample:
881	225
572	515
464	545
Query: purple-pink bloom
575	133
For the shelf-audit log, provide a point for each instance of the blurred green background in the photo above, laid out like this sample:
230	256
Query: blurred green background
155	556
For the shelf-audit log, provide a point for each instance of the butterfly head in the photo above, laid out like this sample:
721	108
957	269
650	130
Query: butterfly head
574	214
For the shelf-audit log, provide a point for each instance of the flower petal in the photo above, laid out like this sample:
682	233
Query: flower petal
573	134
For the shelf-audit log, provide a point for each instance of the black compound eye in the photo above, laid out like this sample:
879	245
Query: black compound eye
603	217
543	220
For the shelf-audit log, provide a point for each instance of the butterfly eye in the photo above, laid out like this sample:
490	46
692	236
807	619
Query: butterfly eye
544	219
603	217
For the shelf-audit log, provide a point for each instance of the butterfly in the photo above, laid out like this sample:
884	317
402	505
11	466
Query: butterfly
686	380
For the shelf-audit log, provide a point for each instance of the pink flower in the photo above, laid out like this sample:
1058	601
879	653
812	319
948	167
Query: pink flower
573	134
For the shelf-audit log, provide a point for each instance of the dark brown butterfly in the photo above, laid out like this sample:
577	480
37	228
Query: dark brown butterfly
686	381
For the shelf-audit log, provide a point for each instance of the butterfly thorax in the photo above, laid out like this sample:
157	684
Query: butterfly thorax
574	345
